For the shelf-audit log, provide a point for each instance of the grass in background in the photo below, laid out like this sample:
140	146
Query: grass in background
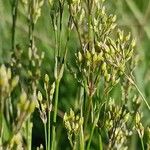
132	15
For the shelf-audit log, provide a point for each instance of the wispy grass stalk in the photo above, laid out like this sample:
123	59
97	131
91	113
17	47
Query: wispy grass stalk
14	20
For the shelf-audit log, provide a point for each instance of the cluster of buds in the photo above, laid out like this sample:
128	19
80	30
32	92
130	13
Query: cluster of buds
40	147
138	125
7	82
89	64
116	54
34	7
42	106
25	108
26	105
103	24
75	6
108	55
117	119
72	123
35	59
16	142
45	104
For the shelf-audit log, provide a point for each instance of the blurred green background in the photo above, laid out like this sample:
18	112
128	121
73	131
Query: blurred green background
133	15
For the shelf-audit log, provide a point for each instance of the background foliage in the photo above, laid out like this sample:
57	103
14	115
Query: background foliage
133	15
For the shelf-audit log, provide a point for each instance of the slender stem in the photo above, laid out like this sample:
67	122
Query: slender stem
88	106
55	115
81	115
135	85
100	142
49	131
45	132
29	134
142	143
14	19
91	135
94	125
92	132
89	24
76	26
75	143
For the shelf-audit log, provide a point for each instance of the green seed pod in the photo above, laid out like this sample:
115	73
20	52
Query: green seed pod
65	117
61	72
103	10
23	98
88	55
100	56
3	76
133	43
137	118
72	115
79	56
52	90
43	107
14	82
26	105
128	37
104	66
31	106
120	35
107	77
95	57
46	78
40	97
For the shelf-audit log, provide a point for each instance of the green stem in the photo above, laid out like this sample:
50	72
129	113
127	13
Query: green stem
94	125
100	142
45	132
89	24
81	115
75	143
49	138
55	115
142	143
92	132
29	134
14	19
88	106
135	85
91	135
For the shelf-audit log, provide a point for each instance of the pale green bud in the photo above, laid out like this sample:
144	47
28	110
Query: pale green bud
40	97
128	37
46	78
88	55
14	82
79	56
137	118
133	43
26	105
100	56
31	106
23	98
104	66
120	34
95	57
107	77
